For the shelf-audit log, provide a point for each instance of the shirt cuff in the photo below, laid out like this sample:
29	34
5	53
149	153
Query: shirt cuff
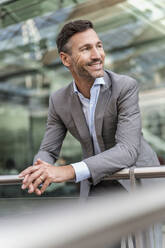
81	170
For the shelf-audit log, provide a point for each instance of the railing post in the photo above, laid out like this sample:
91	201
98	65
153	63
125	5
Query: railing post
134	184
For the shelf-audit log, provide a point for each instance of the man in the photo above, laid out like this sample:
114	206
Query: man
100	109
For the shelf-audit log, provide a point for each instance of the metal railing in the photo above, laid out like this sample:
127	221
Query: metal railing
97	223
10	179
142	172
93	224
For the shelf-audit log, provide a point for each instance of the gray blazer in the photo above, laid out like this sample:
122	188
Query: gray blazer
118	130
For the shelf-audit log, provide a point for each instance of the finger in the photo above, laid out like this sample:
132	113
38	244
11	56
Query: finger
38	161
41	162
45	185
31	188
37	191
29	170
25	179
33	177
24	172
37	182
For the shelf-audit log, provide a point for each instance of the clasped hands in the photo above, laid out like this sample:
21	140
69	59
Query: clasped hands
44	173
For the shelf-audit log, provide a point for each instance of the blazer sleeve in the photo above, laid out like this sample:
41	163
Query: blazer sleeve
127	138
53	138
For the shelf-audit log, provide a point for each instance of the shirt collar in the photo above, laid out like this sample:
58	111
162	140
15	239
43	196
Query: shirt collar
98	81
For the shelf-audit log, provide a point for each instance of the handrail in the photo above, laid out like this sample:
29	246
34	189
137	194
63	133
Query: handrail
10	179
96	223
142	172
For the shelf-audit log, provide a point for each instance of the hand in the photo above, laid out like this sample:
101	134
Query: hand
45	173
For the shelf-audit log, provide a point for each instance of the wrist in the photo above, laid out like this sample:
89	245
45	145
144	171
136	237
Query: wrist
71	172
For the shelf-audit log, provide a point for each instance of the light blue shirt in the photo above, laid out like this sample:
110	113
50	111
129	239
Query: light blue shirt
88	105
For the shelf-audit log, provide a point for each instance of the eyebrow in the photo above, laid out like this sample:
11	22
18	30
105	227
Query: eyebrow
89	44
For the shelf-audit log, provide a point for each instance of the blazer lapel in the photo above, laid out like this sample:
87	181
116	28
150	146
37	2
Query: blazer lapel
104	96
80	123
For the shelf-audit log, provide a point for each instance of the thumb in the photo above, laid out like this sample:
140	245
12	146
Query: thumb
38	161
41	162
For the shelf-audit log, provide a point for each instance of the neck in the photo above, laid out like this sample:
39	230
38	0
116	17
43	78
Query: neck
84	86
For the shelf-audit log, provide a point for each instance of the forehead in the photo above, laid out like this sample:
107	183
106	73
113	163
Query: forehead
86	37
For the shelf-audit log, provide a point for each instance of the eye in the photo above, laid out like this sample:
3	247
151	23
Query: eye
100	45
85	49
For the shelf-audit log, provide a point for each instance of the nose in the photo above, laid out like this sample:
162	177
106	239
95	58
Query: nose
95	53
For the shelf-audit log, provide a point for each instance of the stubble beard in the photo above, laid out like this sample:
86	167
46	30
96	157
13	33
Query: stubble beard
89	76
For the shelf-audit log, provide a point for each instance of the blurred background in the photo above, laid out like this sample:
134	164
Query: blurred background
133	35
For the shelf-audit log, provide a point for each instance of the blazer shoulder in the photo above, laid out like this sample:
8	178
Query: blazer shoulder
121	81
61	94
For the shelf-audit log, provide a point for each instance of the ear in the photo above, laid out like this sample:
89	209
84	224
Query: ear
65	58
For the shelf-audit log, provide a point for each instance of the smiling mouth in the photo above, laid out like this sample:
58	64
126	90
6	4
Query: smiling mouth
96	65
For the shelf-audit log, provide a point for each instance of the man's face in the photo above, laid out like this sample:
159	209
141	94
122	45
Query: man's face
87	55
